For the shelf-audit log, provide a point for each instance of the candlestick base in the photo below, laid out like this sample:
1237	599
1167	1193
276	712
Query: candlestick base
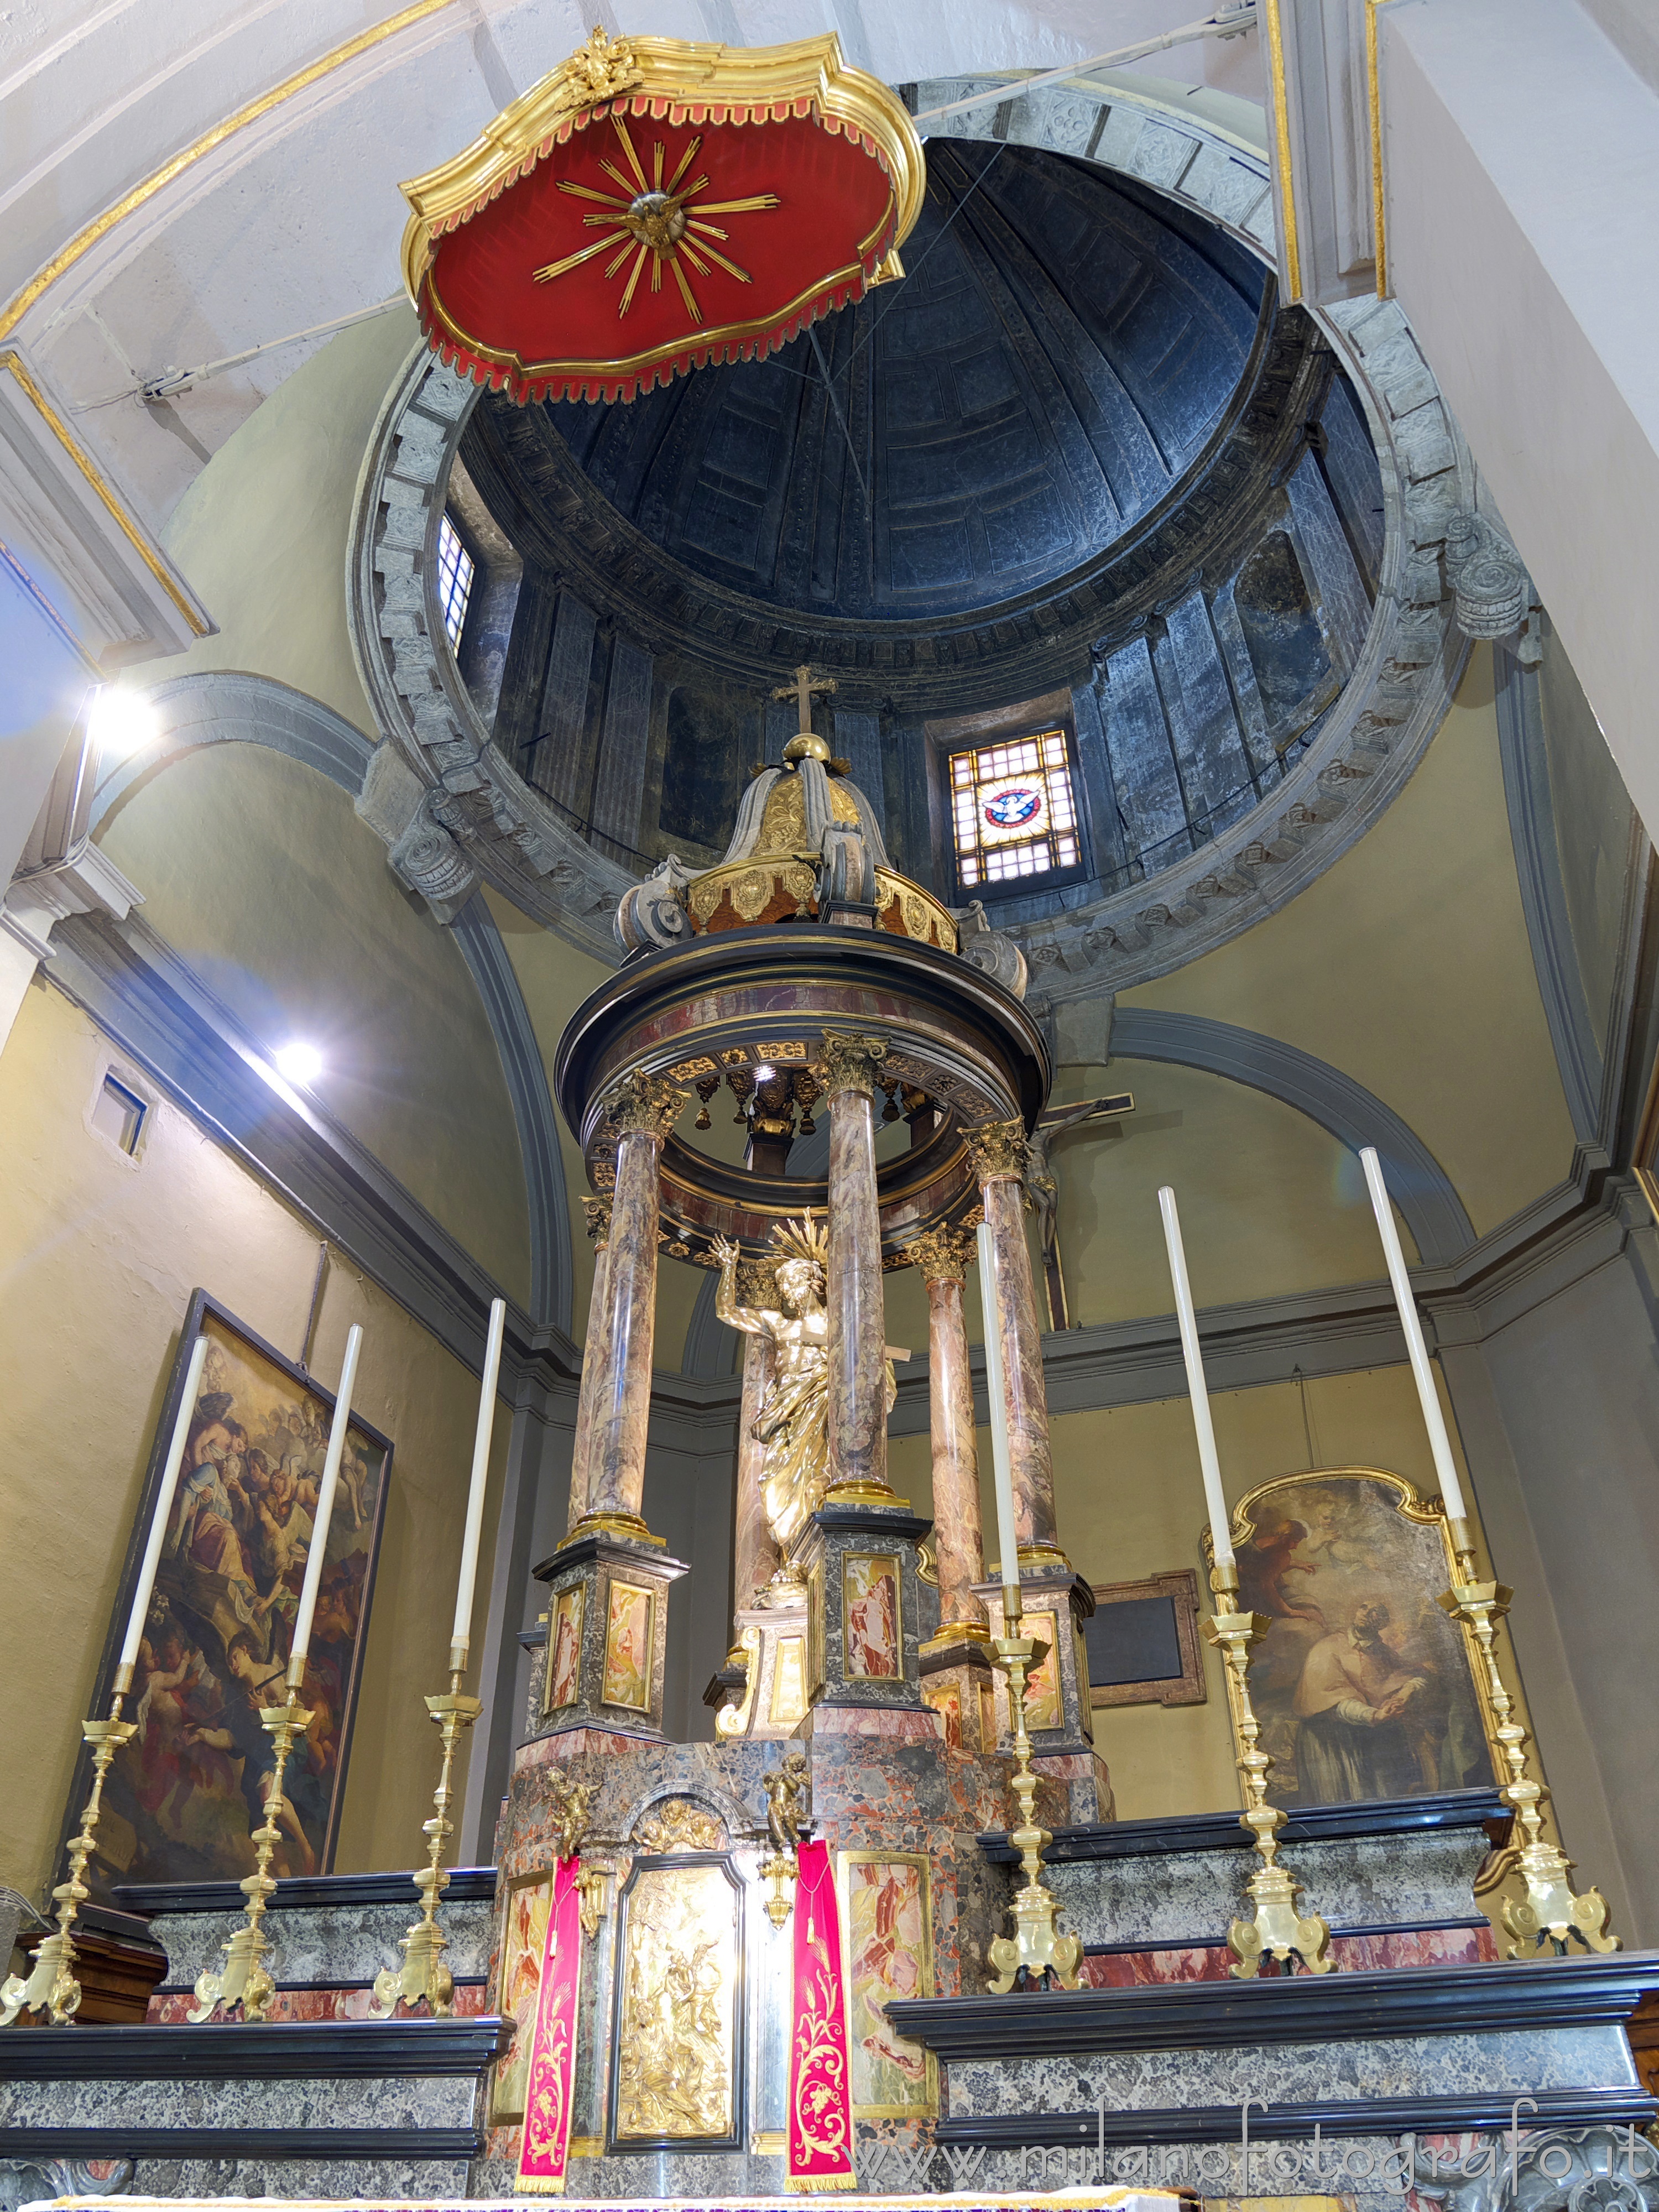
241	1989
1277	1930
423	1978
1037	1953
1550	1914
50	1985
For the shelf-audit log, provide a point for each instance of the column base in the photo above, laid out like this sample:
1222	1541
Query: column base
607	1622
770	1700
864	1605
1058	1715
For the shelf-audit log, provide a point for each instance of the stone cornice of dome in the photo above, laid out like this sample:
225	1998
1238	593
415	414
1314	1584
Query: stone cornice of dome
560	523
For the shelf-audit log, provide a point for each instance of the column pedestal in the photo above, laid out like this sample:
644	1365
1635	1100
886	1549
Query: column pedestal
771	1645
1059	1717
607	1632
863	1610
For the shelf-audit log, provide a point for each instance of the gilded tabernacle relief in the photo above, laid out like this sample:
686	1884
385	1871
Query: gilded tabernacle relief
792	1425
874	1641
523	1940
564	1647
1363	1685
885	1907
675	2073
789	1682
183	1796
628	1647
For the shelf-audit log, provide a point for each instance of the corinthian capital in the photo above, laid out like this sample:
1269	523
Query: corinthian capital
649	1102
758	1286
598	1210
942	1255
998	1151
850	1060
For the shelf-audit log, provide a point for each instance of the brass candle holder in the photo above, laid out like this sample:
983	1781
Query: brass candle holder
1036	1950
241	1988
1277	1928
423	1976
50	1985
1550	1913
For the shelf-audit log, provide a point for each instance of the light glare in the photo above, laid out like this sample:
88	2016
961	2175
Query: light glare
121	723
300	1063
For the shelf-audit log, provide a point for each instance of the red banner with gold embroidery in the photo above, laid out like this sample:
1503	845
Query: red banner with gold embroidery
551	2083
820	2089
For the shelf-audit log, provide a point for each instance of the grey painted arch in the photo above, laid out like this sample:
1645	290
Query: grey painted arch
231	707
1418	1183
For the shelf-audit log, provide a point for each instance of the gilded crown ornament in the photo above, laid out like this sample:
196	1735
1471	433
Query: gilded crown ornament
999	1151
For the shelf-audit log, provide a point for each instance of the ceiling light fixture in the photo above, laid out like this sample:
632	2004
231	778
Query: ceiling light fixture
299	1062
121	723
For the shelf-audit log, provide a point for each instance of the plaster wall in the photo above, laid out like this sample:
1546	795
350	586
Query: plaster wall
256	872
1407	966
99	1253
1593	820
1521	158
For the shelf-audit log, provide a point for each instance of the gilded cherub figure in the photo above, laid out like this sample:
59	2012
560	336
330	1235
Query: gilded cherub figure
572	1802
785	1808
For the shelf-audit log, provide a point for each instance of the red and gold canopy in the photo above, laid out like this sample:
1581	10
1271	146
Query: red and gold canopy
651	206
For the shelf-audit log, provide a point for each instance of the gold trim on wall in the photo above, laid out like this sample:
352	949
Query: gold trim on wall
1282	148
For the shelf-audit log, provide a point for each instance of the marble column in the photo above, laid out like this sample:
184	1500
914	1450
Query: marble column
599	1228
756	1558
944	1256
999	1154
643	1112
858	1322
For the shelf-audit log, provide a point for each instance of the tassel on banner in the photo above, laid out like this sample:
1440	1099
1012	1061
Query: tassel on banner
820	2089
544	2149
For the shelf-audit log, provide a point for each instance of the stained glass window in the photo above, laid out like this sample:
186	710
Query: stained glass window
454	579
1012	812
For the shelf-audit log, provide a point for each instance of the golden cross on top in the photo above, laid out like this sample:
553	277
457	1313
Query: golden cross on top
802	691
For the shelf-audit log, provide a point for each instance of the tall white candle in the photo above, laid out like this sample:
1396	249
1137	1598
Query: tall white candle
324	1512
1451	1489
1209	1465
474	1502
1002	1479
164	1497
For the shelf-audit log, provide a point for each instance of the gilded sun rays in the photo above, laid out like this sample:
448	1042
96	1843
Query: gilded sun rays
657	222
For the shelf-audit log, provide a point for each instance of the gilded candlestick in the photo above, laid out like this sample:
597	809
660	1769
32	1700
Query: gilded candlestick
424	1975
1277	1928
1550	1913
1037	1948
241	1988
50	1985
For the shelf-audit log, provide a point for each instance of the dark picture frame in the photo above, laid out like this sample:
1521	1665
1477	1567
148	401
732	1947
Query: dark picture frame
136	1804
1170	1598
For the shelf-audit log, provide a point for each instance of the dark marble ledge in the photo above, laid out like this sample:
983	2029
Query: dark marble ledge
1145	1943
264	2051
448	2144
1222	1831
1401	2001
361	1982
1480	2110
303	1892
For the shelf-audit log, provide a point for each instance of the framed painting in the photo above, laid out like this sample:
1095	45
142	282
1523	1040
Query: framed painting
870	1616
523	1941
1142	1641
564	1647
183	1796
627	1652
676	2054
886	1910
1363	1685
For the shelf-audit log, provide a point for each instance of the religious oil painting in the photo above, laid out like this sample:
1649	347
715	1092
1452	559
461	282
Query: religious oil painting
945	1699
523	1940
1363	1685
185	1794
564	1647
886	1911
677	2061
628	1647
870	1615
789	1682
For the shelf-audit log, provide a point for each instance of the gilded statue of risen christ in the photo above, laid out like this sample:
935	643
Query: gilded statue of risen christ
793	1421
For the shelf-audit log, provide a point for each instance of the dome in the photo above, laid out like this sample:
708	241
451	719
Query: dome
1058	354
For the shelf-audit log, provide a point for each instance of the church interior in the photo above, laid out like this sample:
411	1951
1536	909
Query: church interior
829	1034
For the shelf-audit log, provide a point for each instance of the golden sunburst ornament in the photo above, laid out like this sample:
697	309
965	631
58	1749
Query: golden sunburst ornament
657	221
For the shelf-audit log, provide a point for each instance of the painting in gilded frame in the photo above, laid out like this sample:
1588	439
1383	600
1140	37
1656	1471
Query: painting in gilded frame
629	1621
871	1629
523	1943
183	1796
888	1930
564	1647
1363	1685
676	2056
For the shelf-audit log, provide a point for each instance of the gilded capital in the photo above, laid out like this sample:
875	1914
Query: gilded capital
999	1151
598	1210
647	1102
850	1060
942	1255
757	1285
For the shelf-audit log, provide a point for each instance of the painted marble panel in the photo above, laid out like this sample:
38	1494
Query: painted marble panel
628	1646
523	1940
565	1638
870	1616
887	1919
